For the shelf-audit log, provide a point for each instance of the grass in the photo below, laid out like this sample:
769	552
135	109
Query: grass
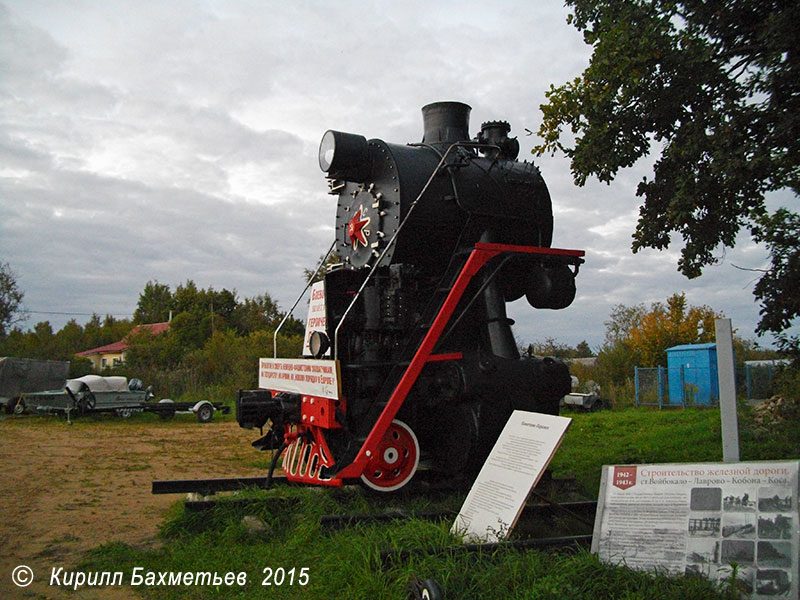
635	436
345	563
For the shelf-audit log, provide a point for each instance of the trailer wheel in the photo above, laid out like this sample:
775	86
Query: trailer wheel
431	590
87	402
19	408
424	590
165	414
205	413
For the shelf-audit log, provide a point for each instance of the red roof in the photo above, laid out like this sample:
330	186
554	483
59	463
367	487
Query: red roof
122	345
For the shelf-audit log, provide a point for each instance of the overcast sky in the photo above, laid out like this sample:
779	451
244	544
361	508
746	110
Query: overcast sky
175	140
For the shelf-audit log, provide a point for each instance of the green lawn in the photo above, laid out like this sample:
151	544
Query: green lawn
345	563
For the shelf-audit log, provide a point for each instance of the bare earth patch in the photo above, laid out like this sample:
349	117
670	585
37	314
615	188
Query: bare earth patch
67	488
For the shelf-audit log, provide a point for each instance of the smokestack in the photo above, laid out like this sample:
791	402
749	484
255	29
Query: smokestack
445	122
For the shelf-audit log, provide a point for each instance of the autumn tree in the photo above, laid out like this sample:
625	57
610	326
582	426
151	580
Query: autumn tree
639	336
713	89
670	324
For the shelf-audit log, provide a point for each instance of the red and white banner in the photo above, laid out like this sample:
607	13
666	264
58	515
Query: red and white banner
304	376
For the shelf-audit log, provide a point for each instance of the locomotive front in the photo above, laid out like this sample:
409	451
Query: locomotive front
416	348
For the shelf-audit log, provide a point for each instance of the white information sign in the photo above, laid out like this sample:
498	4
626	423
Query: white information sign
514	466
316	315
300	375
704	519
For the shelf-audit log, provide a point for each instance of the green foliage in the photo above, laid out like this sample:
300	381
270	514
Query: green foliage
199	312
43	343
154	304
715	87
316	275
551	347
10	298
779	288
210	350
582	350
787	383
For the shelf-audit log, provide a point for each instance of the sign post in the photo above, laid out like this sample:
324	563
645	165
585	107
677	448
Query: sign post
726	370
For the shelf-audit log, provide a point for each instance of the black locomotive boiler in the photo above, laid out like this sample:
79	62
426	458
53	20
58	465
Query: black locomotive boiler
413	359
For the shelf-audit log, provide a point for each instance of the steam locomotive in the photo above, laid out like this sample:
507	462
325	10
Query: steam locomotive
411	358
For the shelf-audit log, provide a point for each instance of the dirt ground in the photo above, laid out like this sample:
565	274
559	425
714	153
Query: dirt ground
67	488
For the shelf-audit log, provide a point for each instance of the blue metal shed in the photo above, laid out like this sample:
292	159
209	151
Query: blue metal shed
692	372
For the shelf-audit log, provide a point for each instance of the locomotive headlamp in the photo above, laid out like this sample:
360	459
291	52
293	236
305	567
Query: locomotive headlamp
318	344
344	156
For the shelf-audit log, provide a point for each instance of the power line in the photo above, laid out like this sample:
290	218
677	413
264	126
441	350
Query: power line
80	314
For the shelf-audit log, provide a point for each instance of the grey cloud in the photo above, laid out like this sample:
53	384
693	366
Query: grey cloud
178	140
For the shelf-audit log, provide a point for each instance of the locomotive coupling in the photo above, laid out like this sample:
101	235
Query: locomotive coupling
256	408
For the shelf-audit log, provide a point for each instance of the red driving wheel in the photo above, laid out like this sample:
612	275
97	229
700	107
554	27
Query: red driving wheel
394	461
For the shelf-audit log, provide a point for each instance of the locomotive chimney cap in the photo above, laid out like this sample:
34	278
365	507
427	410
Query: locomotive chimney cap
445	122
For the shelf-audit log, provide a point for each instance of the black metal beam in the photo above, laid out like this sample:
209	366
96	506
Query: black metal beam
209	486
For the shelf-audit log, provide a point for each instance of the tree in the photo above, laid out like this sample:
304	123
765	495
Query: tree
10	299
154	304
715	87
257	313
583	350
670	324
638	336
316	275
551	347
779	288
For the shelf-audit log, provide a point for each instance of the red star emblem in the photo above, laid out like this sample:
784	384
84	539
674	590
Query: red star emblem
356	228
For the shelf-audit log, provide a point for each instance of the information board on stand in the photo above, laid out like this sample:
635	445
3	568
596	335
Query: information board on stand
513	468
704	519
